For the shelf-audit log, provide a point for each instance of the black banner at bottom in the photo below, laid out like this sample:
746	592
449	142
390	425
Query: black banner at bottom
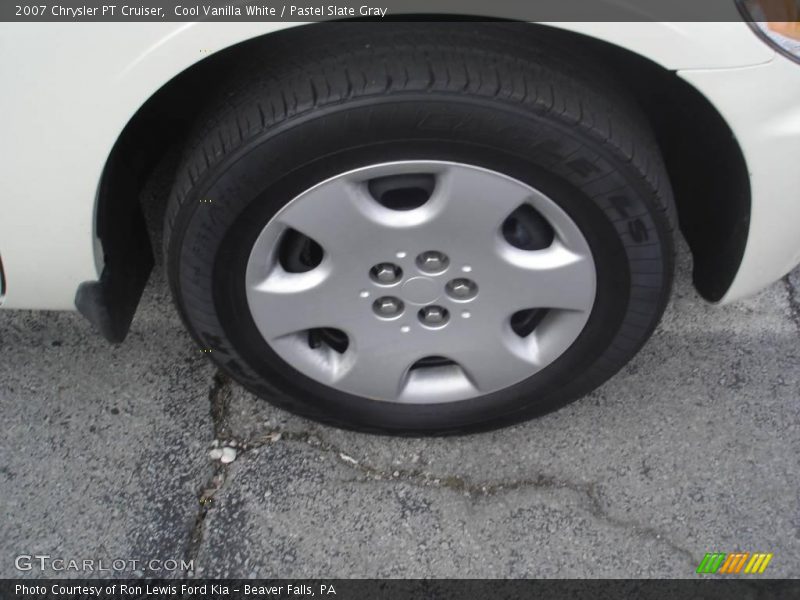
398	589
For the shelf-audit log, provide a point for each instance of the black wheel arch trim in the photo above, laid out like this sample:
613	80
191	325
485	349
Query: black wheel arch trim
110	303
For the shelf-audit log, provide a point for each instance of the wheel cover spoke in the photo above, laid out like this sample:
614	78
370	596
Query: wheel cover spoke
512	359
425	294
301	300
551	278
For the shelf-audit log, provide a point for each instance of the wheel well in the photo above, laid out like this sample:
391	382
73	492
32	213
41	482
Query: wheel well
704	161
705	164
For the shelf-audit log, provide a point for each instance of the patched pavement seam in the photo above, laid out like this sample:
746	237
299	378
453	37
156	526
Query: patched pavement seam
794	301
219	395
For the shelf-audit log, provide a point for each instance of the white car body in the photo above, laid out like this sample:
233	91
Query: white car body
70	89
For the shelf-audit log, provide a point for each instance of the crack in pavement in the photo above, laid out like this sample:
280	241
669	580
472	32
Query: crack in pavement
794	300
419	478
219	396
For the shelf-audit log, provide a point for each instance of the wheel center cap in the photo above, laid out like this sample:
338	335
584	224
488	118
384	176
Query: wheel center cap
420	290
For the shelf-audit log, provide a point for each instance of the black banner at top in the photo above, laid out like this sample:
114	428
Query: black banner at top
317	10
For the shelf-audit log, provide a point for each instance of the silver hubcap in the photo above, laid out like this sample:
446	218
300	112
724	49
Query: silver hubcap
427	296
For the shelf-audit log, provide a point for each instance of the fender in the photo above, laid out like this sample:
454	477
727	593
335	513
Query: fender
68	114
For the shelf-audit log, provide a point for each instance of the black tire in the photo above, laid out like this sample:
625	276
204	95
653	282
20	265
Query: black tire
481	94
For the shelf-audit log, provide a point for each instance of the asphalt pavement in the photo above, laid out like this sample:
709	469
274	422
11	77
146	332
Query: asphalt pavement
106	453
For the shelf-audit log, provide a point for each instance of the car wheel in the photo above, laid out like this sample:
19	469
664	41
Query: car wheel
435	230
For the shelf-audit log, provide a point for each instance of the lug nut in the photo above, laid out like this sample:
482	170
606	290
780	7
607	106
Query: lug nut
432	261
386	273
433	316
462	289
387	306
